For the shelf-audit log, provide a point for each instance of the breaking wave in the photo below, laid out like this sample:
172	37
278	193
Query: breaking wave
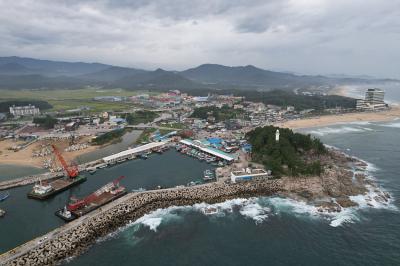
395	125
261	209
338	130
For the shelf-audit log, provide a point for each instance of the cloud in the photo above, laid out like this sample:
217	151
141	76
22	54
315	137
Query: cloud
305	36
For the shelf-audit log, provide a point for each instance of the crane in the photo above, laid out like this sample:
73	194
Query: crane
116	181
72	170
79	203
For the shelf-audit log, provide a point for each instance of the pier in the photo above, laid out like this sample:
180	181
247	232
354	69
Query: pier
112	159
74	238
127	154
27	180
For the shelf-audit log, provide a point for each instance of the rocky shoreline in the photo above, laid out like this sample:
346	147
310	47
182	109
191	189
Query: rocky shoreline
343	177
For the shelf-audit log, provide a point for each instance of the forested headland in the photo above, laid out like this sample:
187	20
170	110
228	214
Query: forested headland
291	155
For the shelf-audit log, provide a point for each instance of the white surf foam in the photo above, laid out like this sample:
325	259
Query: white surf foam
374	198
249	208
361	123
302	209
338	130
395	125
255	211
370	166
154	219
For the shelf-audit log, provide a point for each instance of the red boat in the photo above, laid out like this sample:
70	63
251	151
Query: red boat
102	196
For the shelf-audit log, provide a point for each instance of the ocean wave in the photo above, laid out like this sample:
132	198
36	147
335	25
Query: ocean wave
394	125
338	130
361	123
262	208
370	166
154	219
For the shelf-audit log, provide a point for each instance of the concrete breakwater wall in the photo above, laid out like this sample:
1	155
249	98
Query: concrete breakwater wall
27	180
74	238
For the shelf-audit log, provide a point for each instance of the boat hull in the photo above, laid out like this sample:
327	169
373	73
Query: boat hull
85	210
59	212
58	189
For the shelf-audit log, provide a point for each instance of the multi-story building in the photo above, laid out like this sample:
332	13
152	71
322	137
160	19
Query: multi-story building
375	96
374	99
29	110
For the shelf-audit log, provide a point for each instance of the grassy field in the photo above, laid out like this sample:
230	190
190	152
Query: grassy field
72	99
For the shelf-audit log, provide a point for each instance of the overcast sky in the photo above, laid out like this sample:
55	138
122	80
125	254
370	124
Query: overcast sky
303	36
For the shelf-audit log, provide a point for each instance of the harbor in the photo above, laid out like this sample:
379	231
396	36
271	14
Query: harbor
73	238
172	170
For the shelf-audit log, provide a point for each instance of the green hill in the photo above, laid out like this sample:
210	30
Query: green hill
294	154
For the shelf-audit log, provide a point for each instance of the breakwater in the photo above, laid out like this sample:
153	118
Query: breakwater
26	180
31	179
74	238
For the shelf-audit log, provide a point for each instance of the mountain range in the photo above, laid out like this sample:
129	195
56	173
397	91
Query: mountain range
28	73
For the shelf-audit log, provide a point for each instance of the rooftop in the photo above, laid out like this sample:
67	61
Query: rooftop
209	150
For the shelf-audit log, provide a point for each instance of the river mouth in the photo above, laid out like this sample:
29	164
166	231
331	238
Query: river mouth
27	219
128	140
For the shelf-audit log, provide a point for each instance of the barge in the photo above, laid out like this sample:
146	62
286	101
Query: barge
79	207
43	191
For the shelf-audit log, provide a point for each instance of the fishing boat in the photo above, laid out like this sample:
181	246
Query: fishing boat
193	183
101	166
139	190
208	175
4	196
209	210
91	170
2	213
143	156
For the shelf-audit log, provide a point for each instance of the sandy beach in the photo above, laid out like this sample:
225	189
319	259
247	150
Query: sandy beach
24	156
380	116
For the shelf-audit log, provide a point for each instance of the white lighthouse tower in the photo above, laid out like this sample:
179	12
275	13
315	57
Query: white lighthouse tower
277	135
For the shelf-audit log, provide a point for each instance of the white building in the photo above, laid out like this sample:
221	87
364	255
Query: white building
374	99
249	174
375	96
29	110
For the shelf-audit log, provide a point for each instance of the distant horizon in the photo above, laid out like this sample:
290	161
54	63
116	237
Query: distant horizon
207	63
311	37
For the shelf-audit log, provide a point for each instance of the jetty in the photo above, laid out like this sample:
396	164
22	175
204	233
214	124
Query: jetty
93	165
48	176
74	238
27	180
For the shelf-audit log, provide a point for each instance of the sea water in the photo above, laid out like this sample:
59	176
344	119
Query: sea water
273	230
27	218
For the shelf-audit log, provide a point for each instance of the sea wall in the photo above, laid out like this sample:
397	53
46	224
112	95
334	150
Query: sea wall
73	240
